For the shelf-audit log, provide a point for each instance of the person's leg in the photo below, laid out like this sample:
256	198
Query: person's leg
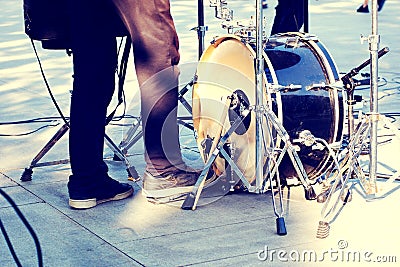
380	4
94	62
156	55
289	16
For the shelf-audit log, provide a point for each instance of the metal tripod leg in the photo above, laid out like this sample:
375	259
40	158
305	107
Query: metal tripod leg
193	196
288	148
132	173
347	166
350	166
133	135
27	174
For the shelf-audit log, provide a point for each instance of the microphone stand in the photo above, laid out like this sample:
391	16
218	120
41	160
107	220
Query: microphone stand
373	41
349	85
259	81
201	28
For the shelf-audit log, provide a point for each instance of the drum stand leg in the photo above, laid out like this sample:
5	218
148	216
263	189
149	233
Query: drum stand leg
192	198
350	169
134	134
27	174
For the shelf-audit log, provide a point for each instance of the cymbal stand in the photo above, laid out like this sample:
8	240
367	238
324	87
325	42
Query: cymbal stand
349	84
373	41
365	131
259	110
201	28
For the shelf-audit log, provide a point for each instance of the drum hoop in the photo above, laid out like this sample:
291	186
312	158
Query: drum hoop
324	165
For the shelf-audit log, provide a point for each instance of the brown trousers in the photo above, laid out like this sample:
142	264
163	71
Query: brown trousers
156	55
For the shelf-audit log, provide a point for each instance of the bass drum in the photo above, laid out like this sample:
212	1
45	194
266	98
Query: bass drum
301	59
226	69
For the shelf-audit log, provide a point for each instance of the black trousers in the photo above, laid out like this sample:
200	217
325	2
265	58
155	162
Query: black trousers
94	48
289	16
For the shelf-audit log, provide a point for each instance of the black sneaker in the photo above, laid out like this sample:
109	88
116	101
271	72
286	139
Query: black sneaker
99	192
363	9
264	4
380	4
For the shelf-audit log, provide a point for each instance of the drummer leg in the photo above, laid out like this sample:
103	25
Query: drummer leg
156	55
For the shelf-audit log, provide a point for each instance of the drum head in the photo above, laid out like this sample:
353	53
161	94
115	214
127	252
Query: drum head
225	86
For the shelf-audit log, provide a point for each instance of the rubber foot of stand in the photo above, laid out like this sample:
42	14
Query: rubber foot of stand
27	175
116	158
310	193
189	202
323	230
280	226
132	174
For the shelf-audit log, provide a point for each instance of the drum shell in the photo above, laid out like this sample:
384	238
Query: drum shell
301	59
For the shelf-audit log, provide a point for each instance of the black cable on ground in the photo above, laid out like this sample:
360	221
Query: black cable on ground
28	226
9	244
31	132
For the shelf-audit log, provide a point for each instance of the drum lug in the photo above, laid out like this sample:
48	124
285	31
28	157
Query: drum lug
292	42
310	37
